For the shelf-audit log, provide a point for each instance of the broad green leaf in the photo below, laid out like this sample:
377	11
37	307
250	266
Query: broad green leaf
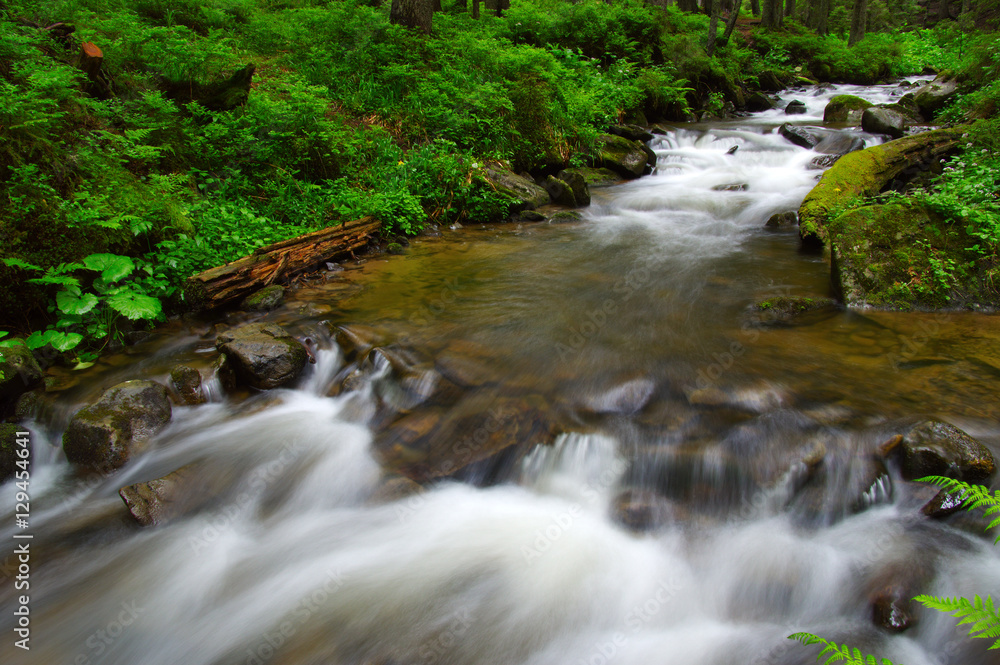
60	341
69	303
135	305
113	267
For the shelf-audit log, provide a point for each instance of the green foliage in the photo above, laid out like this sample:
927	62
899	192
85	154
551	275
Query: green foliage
973	497
982	614
838	653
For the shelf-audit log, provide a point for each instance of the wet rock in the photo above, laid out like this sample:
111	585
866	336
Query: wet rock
641	510
934	96
561	193
394	487
431	444
9	449
594	177
625	398
944	503
466	363
106	434
626	158
784	310
804	137
758	101
879	120
531	216
223	373
839	143
892	609
355	340
576	182
631	132
845	108
890	593
186	382
264	300
19	373
795	107
565	217
733	187
769	82
264	355
524	193
29	406
753	399
158	501
692	478
936	448
823	162
782	220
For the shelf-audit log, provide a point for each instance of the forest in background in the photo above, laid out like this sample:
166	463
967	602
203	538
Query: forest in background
122	181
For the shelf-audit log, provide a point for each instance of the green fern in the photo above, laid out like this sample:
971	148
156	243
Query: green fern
837	654
973	496
982	614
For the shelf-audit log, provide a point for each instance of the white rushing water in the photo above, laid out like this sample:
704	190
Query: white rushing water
298	558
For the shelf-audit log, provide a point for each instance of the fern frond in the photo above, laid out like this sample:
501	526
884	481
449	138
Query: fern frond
973	496
837	654
982	614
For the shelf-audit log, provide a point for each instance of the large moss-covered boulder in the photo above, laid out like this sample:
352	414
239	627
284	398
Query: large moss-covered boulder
626	158
263	355
934	96
19	373
889	256
866	173
576	182
560	191
524	193
109	432
845	108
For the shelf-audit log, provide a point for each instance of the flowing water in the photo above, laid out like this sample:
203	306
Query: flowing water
662	501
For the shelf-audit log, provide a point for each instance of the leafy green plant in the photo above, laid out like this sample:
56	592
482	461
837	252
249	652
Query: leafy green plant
841	653
89	305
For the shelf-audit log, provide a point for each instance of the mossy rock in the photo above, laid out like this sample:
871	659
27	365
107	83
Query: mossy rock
891	256
626	158
19	373
109	432
524	193
264	300
936	448
594	177
786	310
865	173
845	108
9	449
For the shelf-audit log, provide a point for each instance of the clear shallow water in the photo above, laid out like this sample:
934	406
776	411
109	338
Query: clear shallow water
627	336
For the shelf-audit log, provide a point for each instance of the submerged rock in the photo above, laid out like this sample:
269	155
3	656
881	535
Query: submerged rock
781	220
106	434
784	310
264	355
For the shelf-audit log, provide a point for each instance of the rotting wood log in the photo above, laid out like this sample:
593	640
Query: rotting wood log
222	95
233	281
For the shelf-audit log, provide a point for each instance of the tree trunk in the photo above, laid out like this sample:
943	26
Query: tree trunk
462	5
437	6
731	23
822	17
767	15
790	8
713	26
859	20
236	280
755	7
943	12
416	14
475	9
688	5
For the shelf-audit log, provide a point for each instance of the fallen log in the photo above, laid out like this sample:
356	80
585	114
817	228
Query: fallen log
233	281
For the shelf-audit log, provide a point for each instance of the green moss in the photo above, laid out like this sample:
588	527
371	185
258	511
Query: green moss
845	108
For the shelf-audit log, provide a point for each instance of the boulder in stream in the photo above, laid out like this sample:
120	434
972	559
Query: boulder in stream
9	448
936	448
524	193
631	132
578	183
626	158
107	433
880	120
19	373
268	298
795	107
264	355
186	383
804	137
560	191
934	96
593	177
845	108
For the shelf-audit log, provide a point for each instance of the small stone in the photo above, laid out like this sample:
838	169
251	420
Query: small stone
186	382
264	300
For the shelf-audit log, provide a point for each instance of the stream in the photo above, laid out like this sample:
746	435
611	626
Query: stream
662	501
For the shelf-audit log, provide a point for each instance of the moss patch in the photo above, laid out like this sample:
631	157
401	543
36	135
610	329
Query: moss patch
845	108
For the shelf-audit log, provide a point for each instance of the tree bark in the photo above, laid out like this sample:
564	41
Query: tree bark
731	23
790	8
713	26
417	14
943	12
859	21
475	9
236	280
755	7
